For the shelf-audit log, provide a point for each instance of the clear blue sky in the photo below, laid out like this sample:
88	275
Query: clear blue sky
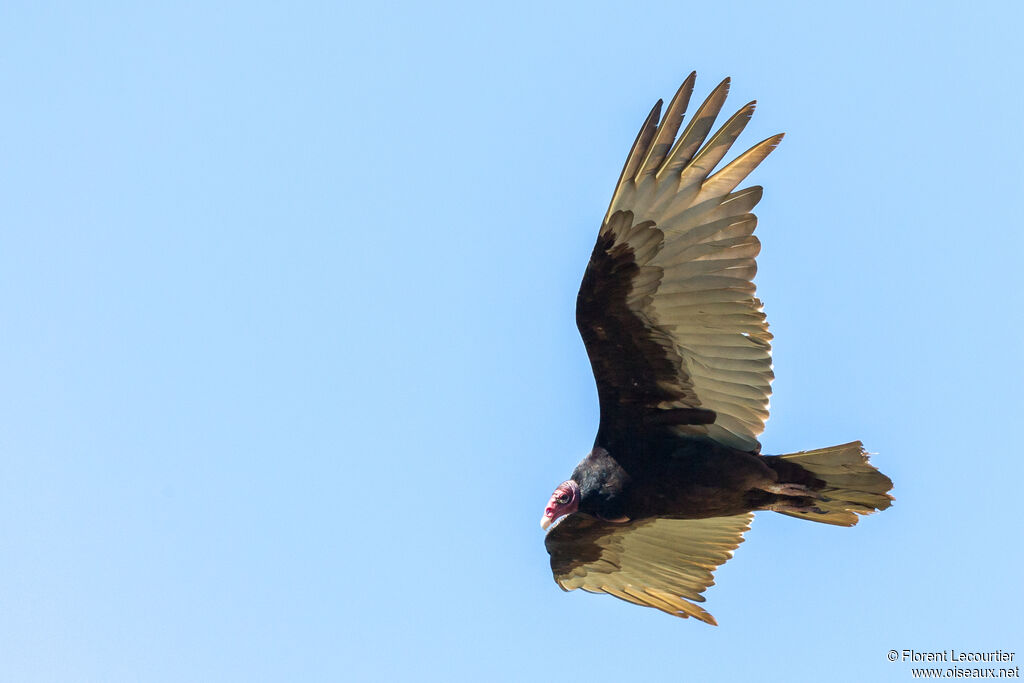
290	365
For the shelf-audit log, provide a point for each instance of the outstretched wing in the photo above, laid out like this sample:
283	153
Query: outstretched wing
662	563
667	309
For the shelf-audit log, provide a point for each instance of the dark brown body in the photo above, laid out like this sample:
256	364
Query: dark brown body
672	476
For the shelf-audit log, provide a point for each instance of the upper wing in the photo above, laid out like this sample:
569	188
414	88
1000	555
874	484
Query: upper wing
667	309
660	563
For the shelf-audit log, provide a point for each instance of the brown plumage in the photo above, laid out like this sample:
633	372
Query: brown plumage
681	354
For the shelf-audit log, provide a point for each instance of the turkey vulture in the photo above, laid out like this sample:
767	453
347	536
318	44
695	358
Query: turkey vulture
681	354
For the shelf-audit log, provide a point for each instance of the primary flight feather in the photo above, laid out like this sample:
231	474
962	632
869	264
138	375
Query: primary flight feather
681	354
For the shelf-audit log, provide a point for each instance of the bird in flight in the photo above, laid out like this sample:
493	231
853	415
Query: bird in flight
681	353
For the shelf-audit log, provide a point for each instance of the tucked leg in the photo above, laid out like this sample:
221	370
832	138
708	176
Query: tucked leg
795	490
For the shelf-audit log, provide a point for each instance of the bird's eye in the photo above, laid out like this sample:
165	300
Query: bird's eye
562	499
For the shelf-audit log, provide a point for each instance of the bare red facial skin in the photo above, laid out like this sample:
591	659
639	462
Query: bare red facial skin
569	492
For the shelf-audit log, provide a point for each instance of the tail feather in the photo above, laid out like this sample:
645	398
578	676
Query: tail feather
852	485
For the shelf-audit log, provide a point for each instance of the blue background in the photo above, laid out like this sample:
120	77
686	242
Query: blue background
289	359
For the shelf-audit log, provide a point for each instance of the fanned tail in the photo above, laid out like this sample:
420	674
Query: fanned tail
852	484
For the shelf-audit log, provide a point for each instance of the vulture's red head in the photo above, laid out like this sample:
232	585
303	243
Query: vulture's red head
565	500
